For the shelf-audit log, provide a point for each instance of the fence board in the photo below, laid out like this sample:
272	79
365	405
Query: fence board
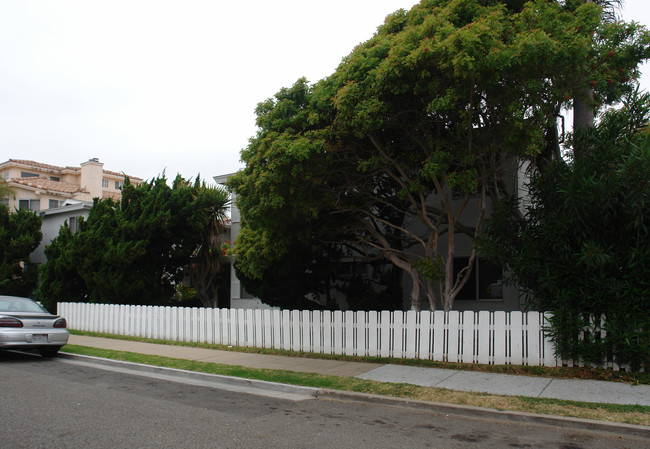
317	329
285	330
373	330
410	333
453	335
348	333
337	330
467	337
439	336
424	338
516	338
305	331
385	331
533	339
398	334
484	337
500	338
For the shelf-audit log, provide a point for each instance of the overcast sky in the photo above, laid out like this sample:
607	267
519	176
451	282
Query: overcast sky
153	85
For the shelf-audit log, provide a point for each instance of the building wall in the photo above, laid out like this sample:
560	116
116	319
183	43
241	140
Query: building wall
53	219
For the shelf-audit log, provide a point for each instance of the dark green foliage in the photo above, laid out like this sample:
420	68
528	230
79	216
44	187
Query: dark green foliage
291	282
583	250
60	278
132	252
20	234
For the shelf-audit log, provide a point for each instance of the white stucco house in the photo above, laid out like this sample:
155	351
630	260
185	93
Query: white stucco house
69	212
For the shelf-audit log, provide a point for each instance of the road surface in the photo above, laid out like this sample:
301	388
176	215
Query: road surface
61	403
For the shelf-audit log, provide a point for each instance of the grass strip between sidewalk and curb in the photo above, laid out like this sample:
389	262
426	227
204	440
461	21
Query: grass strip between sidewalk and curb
628	414
562	372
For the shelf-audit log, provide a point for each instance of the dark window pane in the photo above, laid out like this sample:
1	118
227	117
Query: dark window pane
490	280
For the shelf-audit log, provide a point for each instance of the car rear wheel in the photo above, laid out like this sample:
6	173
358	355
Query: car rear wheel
49	351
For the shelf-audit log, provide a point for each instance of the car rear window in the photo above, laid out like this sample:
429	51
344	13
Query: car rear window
19	305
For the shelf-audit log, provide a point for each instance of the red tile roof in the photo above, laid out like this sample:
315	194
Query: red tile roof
36	164
46	184
113	195
70	168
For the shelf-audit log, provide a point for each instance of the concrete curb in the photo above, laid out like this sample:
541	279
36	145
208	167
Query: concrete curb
489	413
231	383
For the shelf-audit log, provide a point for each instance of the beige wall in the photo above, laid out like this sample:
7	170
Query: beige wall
34	194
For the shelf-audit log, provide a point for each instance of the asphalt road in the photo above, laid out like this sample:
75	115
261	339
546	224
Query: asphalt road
48	403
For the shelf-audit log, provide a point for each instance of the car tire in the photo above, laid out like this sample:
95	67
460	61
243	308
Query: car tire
49	351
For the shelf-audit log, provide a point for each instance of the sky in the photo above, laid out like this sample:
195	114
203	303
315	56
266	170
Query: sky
153	86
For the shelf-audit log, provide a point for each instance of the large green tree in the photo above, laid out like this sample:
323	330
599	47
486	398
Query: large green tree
20	234
417	131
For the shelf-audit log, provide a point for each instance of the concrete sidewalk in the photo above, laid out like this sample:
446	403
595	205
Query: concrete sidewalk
505	384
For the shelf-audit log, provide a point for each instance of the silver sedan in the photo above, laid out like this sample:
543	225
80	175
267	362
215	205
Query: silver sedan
24	324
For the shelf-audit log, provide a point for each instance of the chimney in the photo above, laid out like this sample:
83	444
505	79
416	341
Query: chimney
92	173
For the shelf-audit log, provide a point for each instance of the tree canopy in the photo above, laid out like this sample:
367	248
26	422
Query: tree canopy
20	234
398	154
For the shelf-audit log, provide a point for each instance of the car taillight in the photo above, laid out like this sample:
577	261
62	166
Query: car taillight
10	322
60	323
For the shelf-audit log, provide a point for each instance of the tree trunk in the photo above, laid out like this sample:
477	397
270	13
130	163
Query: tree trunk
583	114
583	119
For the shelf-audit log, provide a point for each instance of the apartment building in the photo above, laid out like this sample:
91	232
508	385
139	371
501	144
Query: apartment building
37	186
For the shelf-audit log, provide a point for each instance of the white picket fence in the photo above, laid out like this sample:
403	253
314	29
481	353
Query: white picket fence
467	337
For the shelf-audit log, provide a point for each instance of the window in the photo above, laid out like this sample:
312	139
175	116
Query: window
54	203
34	205
26	174
5	175
73	224
55	178
119	184
105	183
4	201
485	282
351	269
